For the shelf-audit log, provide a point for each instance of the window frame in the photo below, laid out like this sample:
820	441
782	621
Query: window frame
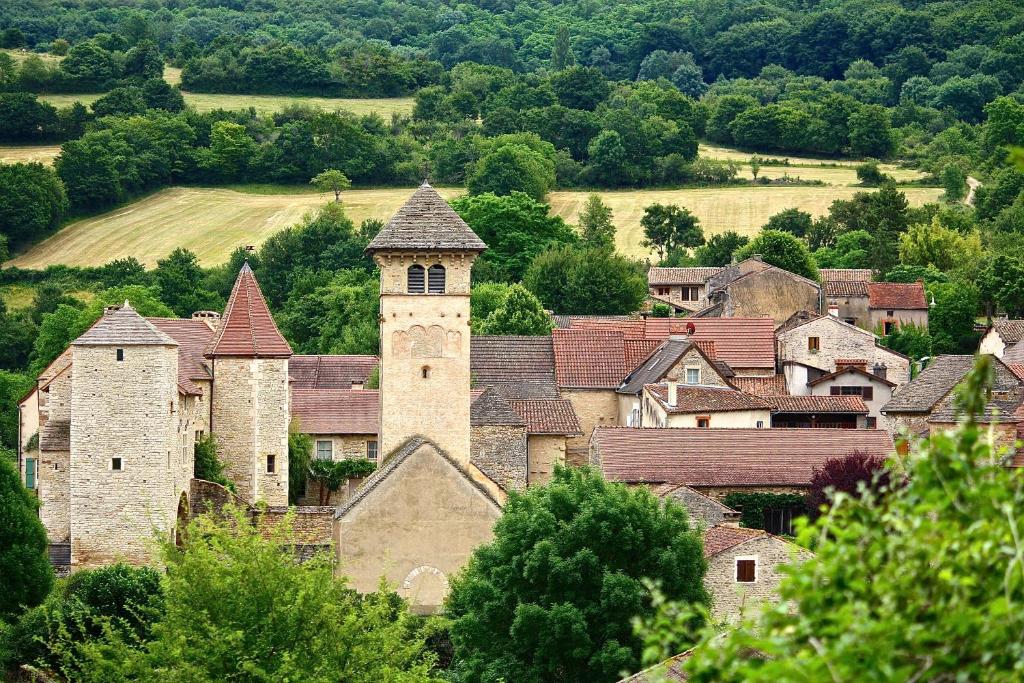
419	287
271	463
116	464
432	285
375	450
814	344
706	419
330	449
119	355
687	374
736	568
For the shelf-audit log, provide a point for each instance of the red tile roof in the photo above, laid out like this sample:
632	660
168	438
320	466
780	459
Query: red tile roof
336	411
817	404
845	274
718	539
637	351
846	288
192	336
703	399
247	329
895	295
773	385
630	329
728	457
1017	369
680	276
548	416
330	372
589	359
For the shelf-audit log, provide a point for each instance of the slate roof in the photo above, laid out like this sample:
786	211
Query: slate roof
845	274
817	404
728	457
518	367
846	288
1010	331
336	411
491	409
1005	399
705	399
718	539
247	329
657	364
773	385
897	295
705	508
589	359
330	372
928	388
55	436
123	327
680	276
426	222
548	416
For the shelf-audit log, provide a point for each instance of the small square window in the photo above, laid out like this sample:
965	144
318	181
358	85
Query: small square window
116	465
693	375
760	424
890	314
813	344
871	422
120	354
371	449
746	570
325	450
271	463
703	421
425	372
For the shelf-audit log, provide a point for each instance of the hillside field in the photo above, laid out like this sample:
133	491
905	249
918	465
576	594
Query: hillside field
13	154
266	104
212	222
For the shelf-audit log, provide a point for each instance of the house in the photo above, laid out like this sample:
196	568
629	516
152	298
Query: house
819	412
846	294
753	288
851	378
704	512
891	304
682	288
1001	337
743	569
707	407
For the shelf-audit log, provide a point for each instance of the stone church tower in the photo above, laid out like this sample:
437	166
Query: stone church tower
249	394
425	253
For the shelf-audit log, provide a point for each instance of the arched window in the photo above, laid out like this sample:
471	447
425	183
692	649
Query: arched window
435	279
416	279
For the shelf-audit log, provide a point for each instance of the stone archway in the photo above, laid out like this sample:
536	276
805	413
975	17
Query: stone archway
181	520
425	588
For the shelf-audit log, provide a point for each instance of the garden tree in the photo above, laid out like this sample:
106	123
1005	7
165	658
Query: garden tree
515	228
58	329
1001	286
910	340
512	168
26	118
719	248
822	233
208	465
25	571
32	202
854	610
484	299
520	313
596	227
180	277
330	475
935	245
847	475
870	173
954	182
871	132
553	596
333	313
782	250
240	606
951	319
852	250
331	180
793	221
580	87
13	386
300	453
668	227
582	281
561	53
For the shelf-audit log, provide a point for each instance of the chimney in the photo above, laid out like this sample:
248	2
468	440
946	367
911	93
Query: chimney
756	257
673	394
879	371
833	311
211	318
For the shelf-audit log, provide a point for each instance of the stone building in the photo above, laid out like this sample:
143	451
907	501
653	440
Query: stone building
846	293
891	304
1002	336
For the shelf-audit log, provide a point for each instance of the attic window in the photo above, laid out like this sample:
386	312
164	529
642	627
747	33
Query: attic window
435	279
415	282
703	421
813	344
119	354
693	375
746	569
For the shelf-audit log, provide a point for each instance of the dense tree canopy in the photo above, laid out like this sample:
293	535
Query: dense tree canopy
25	571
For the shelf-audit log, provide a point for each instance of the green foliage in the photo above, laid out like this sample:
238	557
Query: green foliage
32	202
719	248
596	227
854	611
331	474
910	340
25	571
208	465
660	310
1001	286
782	250
332	314
586	281
668	228
869	173
552	596
180	278
519	313
752	506
331	180
484	299
793	221
300	452
512	168
951	319
954	181
935	245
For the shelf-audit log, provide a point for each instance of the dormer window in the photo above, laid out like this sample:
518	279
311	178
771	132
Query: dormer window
435	279
416	279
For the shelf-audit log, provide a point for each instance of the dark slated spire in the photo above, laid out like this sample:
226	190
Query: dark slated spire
427	223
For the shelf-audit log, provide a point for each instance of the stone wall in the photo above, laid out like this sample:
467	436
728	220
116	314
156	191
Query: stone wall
545	451
250	421
424	368
992	343
732	600
126	409
344	446
772	292
900	316
594	408
57	405
853	308
709	375
839	340
720	492
54	489
499	451
311	524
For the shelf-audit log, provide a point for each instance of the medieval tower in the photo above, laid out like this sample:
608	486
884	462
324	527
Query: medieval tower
249	402
128	469
425	254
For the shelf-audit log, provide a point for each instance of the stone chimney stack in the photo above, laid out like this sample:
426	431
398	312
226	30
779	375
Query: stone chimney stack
673	394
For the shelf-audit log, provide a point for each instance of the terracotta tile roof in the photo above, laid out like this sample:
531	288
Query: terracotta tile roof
548	416
846	288
336	411
490	408
55	435
55	368
845	274
192	336
247	329
680	276
929	387
1017	369
518	367
1010	331
854	370
718	539
705	399
330	372
637	351
851	361
564	322
123	327
630	329
896	295
589	359
426	222
740	342
773	385
817	404
728	457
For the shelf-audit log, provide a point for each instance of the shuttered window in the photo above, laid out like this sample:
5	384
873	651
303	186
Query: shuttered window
746	570
415	284
435	279
867	393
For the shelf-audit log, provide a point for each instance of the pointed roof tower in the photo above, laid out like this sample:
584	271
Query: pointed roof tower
426	222
247	329
123	327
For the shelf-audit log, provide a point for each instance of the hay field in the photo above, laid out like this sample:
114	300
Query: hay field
212	222
266	104
44	154
831	171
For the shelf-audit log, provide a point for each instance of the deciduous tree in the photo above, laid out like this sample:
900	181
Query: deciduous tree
25	571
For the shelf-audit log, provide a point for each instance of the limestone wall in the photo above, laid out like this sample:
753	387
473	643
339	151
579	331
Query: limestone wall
594	408
344	446
839	340
499	451
54	489
900	316
57	405
992	343
772	292
853	308
730	599
693	359
545	451
124	409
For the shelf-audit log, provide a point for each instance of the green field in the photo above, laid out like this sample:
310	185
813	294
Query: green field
212	222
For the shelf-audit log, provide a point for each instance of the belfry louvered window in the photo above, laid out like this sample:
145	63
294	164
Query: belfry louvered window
416	279
435	279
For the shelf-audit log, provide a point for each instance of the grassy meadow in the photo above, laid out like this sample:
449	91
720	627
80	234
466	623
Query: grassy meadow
266	104
213	221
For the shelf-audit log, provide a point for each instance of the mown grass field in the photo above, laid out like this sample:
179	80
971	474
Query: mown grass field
212	222
830	171
13	154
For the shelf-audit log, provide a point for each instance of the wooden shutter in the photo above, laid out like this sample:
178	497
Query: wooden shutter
745	571
415	285
835	391
867	393
435	279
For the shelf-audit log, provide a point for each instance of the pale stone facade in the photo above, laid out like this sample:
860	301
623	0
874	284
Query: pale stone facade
820	342
595	408
544	451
